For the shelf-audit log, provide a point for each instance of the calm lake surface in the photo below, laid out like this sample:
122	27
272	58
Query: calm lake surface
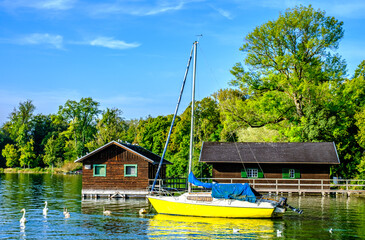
346	216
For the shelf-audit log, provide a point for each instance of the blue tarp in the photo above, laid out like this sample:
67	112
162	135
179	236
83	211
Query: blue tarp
228	191
234	191
192	179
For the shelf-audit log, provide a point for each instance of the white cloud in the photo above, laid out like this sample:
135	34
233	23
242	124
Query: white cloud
55	41
223	12
112	43
139	8
39	4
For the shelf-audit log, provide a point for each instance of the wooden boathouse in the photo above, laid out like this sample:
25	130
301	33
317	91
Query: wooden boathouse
119	169
269	165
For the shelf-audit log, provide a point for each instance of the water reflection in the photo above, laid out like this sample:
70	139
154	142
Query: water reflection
206	228
345	216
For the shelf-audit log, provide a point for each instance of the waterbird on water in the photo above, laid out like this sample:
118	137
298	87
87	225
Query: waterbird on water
235	230
67	214
45	209
23	220
64	211
106	212
142	211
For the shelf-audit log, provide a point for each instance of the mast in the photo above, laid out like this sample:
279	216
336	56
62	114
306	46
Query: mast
192	115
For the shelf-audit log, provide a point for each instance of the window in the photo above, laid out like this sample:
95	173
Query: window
99	170
252	173
291	173
130	170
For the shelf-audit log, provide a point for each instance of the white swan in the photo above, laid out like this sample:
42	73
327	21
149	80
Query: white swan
67	214
106	212
236	230
64	210
45	209
23	220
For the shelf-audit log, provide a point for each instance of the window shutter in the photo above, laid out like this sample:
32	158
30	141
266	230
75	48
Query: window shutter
260	174
243	173
285	172
297	173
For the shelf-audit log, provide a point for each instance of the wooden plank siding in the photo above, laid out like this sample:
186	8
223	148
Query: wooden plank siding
307	171
115	158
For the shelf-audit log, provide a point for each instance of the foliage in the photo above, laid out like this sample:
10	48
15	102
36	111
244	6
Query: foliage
110	127
81	117
10	153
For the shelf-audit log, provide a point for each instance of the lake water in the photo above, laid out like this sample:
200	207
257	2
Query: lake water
346	216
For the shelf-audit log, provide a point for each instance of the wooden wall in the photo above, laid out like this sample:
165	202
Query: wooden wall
307	171
115	157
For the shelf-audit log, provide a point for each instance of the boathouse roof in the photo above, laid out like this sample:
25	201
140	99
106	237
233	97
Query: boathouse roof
279	152
136	149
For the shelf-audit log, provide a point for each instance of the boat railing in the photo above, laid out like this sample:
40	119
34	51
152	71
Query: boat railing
274	184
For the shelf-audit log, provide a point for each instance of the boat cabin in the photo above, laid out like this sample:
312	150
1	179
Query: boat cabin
281	160
119	169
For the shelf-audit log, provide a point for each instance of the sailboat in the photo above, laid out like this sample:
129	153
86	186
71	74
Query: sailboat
225	200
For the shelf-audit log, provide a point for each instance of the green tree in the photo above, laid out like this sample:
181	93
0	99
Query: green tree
291	66
81	117
360	137
10	153
110	127
27	157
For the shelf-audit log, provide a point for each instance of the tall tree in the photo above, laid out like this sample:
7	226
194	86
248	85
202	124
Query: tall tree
81	117
291	66
110	127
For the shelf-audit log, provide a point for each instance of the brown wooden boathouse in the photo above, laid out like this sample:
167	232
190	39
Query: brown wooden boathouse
260	162
119	169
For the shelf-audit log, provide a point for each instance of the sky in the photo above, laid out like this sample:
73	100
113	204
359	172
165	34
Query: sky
132	54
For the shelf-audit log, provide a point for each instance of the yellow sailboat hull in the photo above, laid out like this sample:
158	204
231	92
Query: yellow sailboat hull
164	206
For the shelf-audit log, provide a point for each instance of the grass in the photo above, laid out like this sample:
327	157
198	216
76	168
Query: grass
67	167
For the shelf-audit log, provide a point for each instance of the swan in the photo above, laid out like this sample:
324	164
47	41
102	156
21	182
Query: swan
45	209
142	211
23	220
235	230
67	214
106	212
64	210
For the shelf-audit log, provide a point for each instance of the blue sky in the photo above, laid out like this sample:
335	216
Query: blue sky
132	54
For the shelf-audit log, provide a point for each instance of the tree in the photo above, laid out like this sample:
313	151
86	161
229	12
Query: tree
81	117
10	153
27	157
291	66
110	127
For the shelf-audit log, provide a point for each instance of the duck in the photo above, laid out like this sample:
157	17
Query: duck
142	211
23	219
45	209
106	212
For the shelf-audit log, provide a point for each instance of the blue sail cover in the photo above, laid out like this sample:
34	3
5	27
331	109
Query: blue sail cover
228	191
234	191
192	179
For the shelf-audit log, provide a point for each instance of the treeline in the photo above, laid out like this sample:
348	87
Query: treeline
291	87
